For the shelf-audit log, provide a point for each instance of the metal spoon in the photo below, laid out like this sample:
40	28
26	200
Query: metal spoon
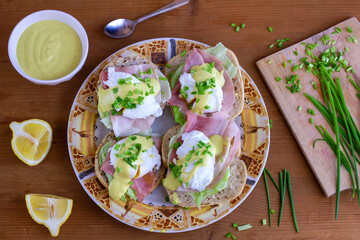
123	27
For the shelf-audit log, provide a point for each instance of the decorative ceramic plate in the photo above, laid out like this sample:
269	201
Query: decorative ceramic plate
85	131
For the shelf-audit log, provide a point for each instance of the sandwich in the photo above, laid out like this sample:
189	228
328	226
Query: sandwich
131	94
207	82
202	161
130	167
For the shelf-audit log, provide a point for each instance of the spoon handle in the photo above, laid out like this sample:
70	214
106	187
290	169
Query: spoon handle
166	8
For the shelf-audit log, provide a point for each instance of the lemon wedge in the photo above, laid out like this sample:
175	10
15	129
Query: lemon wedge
31	140
49	210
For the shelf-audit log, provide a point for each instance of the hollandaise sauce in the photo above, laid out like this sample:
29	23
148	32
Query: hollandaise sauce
207	78
48	50
127	95
198	157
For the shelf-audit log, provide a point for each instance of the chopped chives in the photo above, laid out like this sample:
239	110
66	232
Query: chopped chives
296	53
242	25
233	24
272	211
270	123
289	61
247	226
278	79
284	64
299	108
228	235
163	78
270	29
237	29
264	222
349	29
183	54
235	225
311	120
168	65
352	39
271	45
346	49
270	61
337	30
311	111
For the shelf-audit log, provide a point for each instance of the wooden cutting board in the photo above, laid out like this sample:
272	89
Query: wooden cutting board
321	158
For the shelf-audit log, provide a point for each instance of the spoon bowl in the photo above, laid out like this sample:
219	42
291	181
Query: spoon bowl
120	28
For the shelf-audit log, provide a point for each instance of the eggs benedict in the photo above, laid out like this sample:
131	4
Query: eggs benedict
130	167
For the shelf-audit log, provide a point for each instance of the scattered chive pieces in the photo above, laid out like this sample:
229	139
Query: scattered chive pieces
270	29
346	49
311	111
299	108
168	65
183	54
237	29
270	123
235	225
278	79
352	39
264	222
290	61
296	53
311	120
228	235
337	30
349	29
303	43
295	68
233	24
115	90
247	226
272	211
242	25
284	64
271	45
163	78
350	77
270	61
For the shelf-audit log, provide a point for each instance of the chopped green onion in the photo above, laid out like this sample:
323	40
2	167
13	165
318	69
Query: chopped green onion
296	53
349	29
352	39
271	45
299	108
242	25
278	79
272	211
264	222
289	61
311	120
284	64
270	123
233	24
311	111
183	54
115	90
270	61
270	29
168	65
163	78
237	29
235	225
245	227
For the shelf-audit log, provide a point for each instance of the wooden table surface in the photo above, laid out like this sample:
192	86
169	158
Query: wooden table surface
205	21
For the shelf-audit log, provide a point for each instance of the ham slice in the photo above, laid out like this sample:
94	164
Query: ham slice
199	57
142	185
124	126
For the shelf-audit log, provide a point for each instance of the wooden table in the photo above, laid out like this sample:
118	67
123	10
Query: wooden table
205	21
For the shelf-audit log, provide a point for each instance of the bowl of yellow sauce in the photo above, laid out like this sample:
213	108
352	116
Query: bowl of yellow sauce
48	47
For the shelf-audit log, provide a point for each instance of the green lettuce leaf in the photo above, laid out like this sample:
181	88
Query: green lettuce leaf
176	75
220	52
105	118
200	196
131	193
102	155
179	117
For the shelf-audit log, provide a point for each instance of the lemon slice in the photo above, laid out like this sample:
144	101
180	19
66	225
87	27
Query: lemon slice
49	210
31	140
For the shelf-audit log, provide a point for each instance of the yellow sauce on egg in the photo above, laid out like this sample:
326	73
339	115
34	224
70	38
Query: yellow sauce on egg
48	50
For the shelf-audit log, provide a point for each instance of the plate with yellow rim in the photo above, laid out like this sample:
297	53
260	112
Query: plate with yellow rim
155	214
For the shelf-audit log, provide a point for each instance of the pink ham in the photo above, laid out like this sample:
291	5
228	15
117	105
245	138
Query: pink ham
198	57
124	126
143	185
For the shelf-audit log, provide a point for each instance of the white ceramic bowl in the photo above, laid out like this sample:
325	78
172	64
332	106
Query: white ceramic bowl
41	16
